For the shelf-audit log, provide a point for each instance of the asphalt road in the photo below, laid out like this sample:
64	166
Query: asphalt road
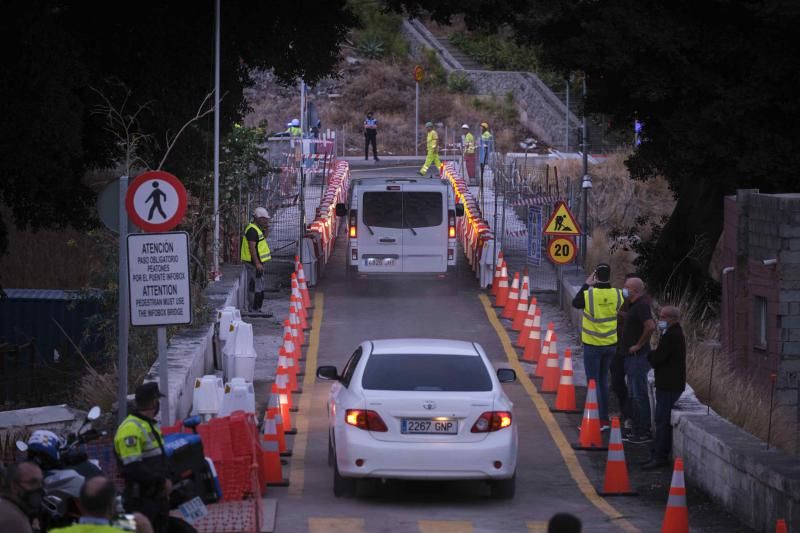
551	477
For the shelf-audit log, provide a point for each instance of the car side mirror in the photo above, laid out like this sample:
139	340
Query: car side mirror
459	209
94	413
506	375
341	210
327	372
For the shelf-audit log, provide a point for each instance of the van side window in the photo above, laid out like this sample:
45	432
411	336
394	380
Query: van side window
422	209
350	367
383	209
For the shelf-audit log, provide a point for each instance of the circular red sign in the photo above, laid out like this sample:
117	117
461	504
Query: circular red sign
561	250
419	73
145	196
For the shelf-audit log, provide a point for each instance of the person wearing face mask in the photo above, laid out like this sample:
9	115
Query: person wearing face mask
139	446
669	363
636	333
20	497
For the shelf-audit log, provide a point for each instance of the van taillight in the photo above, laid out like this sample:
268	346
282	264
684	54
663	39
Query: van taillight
353	223
451	224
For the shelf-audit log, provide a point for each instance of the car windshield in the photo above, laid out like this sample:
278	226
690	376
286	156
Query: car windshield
426	372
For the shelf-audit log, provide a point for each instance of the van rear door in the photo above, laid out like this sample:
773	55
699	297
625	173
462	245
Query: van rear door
425	229
380	229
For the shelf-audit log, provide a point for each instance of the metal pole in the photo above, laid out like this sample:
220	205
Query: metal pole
566	125
710	383
303	106
587	182
772	378
416	122
163	376
123	309
216	136
302	213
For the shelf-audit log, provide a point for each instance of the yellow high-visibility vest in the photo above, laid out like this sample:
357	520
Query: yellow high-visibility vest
469	143
433	142
294	131
135	440
262	248
599	324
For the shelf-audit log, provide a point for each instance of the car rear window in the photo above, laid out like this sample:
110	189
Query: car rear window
403	372
383	209
422	209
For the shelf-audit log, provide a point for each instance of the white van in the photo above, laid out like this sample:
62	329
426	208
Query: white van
401	225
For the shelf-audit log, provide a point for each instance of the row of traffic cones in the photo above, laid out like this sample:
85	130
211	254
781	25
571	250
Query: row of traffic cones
277	421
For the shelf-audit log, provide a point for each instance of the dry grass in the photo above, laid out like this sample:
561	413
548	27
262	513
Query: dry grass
734	396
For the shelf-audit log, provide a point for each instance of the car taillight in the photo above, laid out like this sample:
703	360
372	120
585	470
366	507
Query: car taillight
353	223
492	421
451	224
367	420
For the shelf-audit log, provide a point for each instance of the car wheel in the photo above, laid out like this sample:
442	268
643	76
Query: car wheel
342	486
331	455
503	489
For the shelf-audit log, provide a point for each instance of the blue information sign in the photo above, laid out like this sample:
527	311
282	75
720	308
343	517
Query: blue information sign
535	235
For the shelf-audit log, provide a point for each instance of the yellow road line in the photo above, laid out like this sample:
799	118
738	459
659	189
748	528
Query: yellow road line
567	453
335	525
297	472
444	526
537	527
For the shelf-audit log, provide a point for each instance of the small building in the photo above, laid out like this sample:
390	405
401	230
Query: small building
760	314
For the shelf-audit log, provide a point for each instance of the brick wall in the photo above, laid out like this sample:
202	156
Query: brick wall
761	240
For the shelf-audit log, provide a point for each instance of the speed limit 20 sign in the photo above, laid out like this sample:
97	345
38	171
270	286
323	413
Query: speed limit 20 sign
561	250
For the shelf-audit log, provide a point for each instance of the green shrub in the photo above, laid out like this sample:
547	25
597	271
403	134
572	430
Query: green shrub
435	75
379	36
458	82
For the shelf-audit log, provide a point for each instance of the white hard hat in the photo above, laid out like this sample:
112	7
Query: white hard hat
295	122
465	126
260	212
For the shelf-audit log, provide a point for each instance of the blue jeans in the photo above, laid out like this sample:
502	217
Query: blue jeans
596	361
662	445
636	369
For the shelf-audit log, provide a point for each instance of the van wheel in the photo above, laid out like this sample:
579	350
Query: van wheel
504	489
331	454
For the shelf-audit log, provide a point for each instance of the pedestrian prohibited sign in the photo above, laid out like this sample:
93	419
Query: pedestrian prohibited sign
156	201
561	250
158	270
562	222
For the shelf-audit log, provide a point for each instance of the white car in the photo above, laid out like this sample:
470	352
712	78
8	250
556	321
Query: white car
421	409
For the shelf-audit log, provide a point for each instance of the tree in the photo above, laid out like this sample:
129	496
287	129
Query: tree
714	83
59	53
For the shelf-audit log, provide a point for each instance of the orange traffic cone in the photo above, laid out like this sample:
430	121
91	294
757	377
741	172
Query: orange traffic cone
270	471
280	387
616	482
590	438
498	272
289	348
522	308
780	526
676	517
527	324
549	346
301	284
513	298
274	412
296	325
502	289
565	398
551	371
296	302
533	347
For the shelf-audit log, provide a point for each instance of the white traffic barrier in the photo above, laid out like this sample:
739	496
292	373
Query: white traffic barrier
239	396
239	352
207	396
226	316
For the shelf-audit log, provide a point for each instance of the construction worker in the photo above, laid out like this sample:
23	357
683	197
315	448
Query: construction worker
254	255
468	144
485	145
139	446
600	303
293	128
432	147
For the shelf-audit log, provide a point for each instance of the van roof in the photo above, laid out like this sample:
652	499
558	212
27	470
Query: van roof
416	182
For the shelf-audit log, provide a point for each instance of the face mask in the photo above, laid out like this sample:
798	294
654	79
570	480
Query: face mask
32	501
662	325
625	293
158	408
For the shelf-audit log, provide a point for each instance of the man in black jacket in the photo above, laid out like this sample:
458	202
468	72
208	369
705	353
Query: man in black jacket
669	363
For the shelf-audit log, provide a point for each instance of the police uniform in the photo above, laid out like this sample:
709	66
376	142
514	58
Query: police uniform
256	281
139	446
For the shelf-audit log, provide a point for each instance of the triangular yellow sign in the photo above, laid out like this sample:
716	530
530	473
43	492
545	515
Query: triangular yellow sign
562	222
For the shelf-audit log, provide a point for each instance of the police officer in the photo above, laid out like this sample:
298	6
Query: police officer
254	255
139	446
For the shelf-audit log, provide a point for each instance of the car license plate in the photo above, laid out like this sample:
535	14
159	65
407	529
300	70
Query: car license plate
429	425
193	510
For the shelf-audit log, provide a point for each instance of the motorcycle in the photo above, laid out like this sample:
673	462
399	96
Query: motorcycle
65	465
194	479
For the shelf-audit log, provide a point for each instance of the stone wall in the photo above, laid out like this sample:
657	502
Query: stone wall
540	110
